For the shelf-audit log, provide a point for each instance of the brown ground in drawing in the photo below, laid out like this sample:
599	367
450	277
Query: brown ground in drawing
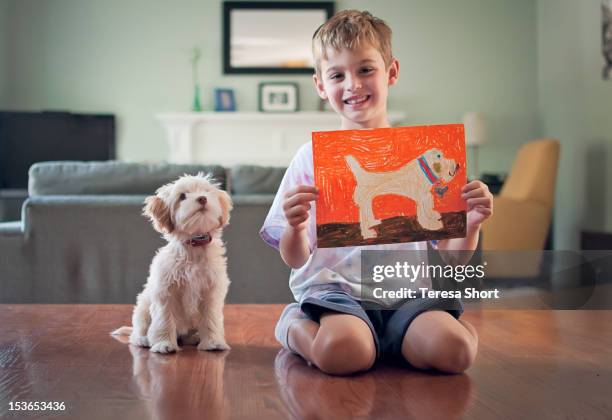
392	230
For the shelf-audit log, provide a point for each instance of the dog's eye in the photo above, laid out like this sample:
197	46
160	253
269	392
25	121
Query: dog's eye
439	155
182	196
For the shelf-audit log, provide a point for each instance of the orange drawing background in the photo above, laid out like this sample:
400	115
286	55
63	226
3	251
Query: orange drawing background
381	150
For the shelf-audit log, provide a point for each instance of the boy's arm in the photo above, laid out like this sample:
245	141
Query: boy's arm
294	247
294	244
458	251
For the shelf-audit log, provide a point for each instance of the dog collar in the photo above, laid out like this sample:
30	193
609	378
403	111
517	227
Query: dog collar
199	240
431	177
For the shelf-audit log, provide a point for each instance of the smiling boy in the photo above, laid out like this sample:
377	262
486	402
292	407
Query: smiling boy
328	327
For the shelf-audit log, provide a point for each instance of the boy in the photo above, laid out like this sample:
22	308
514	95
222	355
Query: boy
329	328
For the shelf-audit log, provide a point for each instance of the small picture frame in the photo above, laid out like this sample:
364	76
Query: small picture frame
225	100
278	97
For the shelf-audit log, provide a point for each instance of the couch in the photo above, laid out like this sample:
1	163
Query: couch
82	238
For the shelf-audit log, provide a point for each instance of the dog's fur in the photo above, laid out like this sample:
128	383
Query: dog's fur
408	181
185	292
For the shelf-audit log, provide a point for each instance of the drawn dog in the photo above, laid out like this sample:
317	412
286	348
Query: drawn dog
418	180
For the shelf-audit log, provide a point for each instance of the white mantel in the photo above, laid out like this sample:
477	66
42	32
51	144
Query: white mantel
258	138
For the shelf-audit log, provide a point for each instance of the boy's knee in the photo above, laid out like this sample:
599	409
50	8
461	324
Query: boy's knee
453	353
343	352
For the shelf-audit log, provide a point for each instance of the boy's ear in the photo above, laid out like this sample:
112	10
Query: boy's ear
393	72
319	86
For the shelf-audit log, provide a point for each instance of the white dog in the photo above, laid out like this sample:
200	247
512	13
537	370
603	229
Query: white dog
185	292
418	180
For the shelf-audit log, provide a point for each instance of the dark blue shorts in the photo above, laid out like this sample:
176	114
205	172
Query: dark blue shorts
388	326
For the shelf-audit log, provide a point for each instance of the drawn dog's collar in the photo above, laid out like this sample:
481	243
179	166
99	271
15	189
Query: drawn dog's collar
431	177
199	240
429	174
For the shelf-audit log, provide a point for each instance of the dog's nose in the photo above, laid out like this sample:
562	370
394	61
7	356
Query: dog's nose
457	167
202	200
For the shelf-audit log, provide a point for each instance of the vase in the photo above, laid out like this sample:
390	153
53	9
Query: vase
196	107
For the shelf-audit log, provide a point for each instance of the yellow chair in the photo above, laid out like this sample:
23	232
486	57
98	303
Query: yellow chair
522	211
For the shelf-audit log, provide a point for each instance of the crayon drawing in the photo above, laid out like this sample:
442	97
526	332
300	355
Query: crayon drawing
389	185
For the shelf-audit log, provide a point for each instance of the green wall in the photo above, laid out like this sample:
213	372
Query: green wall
575	106
533	67
131	58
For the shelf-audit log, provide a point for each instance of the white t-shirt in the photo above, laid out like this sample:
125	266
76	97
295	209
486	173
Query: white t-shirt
337	267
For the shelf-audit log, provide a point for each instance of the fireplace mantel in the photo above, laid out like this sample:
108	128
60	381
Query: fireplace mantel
230	138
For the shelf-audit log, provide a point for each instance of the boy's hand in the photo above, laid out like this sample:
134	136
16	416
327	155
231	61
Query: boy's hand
297	203
479	203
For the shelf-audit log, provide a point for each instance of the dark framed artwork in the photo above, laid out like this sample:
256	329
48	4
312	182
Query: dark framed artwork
271	37
278	97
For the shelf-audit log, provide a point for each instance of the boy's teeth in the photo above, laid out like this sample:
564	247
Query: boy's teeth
356	100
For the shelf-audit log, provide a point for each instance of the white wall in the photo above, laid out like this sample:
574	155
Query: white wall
575	106
131	58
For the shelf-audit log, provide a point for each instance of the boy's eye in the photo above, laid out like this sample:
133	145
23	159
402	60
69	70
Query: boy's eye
335	76
182	196
367	70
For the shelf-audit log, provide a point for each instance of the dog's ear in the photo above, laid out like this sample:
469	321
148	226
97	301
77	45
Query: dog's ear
156	209
226	206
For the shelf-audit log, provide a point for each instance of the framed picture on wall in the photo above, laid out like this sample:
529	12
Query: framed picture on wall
225	100
271	37
278	97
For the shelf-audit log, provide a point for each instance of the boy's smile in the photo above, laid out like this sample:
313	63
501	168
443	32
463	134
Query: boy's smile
356	83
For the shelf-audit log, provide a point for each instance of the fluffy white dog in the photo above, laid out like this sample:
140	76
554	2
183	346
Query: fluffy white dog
419	179
185	292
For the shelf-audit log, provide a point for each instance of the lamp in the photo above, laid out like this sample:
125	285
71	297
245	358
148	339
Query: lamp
475	134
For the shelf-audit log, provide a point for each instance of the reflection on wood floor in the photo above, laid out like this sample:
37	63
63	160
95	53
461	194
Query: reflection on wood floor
531	364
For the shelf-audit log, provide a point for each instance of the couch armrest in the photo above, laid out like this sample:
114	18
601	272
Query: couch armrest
11	229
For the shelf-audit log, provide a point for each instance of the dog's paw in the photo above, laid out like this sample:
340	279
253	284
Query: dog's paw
431	223
213	344
368	233
141	341
436	225
164	347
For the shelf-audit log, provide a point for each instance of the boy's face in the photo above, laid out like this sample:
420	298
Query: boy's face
356	84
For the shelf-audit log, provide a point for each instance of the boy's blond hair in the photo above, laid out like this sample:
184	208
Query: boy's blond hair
350	29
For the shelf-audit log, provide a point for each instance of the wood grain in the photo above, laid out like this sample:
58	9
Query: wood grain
531	364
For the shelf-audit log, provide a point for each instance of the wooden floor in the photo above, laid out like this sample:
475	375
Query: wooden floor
531	364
